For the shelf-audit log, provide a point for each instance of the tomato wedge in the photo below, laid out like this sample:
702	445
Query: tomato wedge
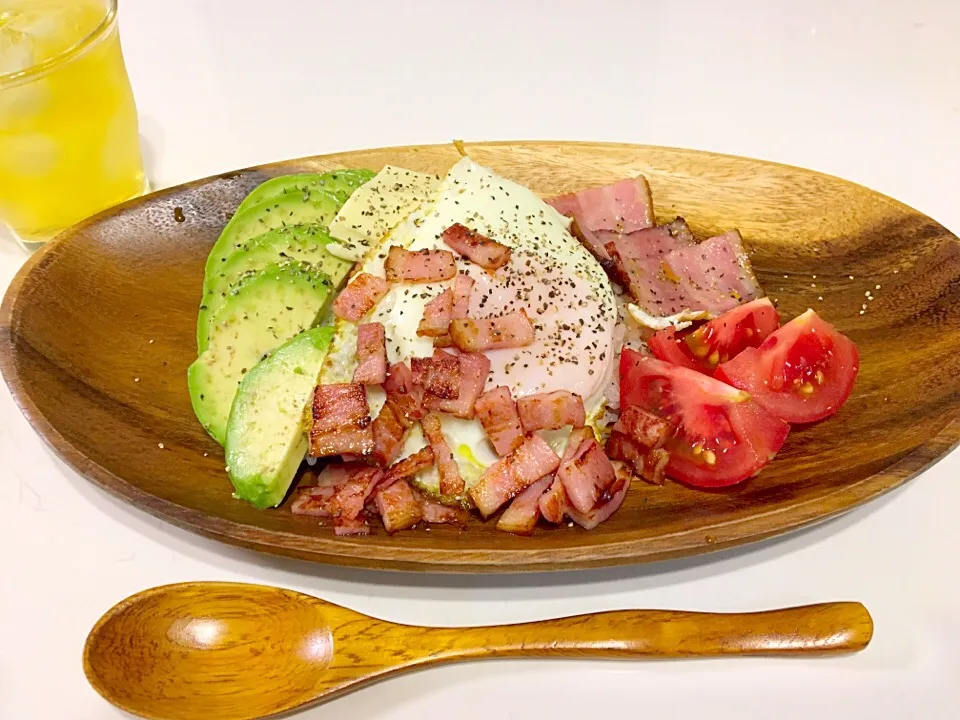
719	340
721	436
803	372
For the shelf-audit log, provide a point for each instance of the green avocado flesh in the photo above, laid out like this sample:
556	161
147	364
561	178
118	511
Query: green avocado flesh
299	243
315	207
267	432
260	313
339	183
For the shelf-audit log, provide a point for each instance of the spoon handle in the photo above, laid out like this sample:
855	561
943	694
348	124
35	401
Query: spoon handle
812	629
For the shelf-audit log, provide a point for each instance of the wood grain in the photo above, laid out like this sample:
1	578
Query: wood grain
233	651
96	333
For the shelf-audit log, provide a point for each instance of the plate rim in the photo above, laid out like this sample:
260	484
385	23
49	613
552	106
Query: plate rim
694	541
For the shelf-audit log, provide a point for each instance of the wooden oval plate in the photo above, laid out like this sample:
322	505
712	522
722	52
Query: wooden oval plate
97	331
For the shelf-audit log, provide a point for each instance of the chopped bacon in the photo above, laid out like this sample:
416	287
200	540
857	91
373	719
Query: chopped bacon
512	330
477	248
359	297
399	506
462	287
351	526
348	502
450	481
371	354
405	397
409	466
648	463
554	502
419	266
643	427
474	369
497	412
551	411
502	481
437	315
313	501
337	473
438	375
522	514
341	421
610	502
586	475
388	432
436	513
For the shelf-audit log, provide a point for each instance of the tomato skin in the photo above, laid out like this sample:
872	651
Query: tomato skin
721	437
802	373
719	340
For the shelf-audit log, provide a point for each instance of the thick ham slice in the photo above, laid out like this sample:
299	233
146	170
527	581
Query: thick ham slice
438	375
371	354
341	421
625	206
497	412
399	506
451	483
716	273
419	266
610	502
554	502
511	475
474	369
405	397
477	248
388	432
551	411
520	517
313	501
437	514
512	330
359	297
586	475
437	315
408	467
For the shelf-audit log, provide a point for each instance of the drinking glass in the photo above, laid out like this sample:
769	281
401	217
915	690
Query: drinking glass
69	142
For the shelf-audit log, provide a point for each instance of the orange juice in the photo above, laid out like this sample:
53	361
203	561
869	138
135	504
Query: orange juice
69	144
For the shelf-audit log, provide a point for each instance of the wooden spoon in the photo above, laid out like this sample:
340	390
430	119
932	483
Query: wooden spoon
231	651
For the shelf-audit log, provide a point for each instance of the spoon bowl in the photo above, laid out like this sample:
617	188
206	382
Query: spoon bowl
231	651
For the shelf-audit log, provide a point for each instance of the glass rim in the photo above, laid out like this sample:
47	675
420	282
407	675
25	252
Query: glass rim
64	56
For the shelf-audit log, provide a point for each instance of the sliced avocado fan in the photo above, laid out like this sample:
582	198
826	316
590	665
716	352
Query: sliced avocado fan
339	183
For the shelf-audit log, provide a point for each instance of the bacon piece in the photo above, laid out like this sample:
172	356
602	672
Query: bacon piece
477	248
462	287
643	427
625	206
419	266
586	475
341	421
351	526
474	369
371	354
348	502
502	481
716	274
334	474
359	297
512	330
437	315
408	467
399	507
405	397
437	513
554	502
610	502
497	412
522	514
450	481
313	501
551	411
388	432
438	375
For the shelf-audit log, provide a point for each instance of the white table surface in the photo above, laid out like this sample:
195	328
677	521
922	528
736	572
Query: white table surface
864	90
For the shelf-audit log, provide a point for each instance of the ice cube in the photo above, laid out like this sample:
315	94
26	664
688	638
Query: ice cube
17	50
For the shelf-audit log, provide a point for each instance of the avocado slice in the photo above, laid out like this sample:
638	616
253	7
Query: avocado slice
313	207
263	311
299	243
267	431
339	183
